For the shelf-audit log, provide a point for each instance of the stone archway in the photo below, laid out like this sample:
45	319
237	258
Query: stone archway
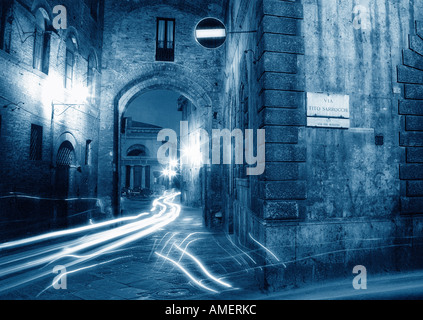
159	76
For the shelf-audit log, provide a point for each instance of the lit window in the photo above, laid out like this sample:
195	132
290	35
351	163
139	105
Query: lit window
88	153
41	42
165	47
6	19
71	47
91	77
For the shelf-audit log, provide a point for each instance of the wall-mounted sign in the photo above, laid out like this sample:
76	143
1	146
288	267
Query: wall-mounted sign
328	122
328	110
210	33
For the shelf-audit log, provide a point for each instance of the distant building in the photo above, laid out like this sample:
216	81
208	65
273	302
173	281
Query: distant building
141	170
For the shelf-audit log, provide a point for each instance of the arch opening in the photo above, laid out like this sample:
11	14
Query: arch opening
193	91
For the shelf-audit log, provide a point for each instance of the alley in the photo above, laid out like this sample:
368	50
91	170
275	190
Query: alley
181	260
177	260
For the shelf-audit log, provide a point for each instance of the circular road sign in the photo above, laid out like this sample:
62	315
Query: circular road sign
210	33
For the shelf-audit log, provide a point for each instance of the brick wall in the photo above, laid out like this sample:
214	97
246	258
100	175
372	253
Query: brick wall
130	69
29	95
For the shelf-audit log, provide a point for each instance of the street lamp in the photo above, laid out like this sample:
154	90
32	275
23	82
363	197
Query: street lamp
170	172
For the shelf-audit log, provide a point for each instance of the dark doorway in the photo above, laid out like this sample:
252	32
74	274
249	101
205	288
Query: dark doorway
64	183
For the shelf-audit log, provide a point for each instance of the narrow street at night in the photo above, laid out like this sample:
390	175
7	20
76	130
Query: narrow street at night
216	150
160	255
173	257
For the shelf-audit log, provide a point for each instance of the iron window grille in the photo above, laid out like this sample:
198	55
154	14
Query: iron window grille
36	143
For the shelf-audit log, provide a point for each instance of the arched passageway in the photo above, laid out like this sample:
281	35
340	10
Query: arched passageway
194	102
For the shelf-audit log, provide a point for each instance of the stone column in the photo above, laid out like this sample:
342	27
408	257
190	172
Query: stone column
282	111
147	177
142	180
132	177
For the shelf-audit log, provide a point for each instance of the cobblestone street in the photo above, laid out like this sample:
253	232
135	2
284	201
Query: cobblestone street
148	270
137	272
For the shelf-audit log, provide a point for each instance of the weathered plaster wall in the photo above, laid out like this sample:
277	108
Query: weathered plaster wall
330	198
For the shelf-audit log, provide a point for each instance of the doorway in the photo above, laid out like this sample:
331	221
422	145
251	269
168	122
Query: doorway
64	183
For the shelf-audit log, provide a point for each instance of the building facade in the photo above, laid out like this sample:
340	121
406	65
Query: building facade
336	192
141	172
49	93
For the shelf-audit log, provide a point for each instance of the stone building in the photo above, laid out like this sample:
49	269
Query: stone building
340	189
140	169
337	192
336	85
49	96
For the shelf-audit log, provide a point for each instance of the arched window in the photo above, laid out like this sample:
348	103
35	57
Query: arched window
137	151
42	41
91	77
95	9
71	49
65	155
6	19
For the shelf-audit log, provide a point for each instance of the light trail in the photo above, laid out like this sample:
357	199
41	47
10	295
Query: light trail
186	247
249	257
110	241
65	274
167	242
57	234
189	275
190	235
23	196
206	272
82	244
74	256
231	256
266	249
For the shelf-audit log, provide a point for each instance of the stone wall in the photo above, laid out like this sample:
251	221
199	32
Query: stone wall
410	108
130	69
28	97
330	199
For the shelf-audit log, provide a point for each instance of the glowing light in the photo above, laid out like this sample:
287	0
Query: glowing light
189	275
203	268
53	89
80	93
266	249
120	236
193	155
170	173
173	163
